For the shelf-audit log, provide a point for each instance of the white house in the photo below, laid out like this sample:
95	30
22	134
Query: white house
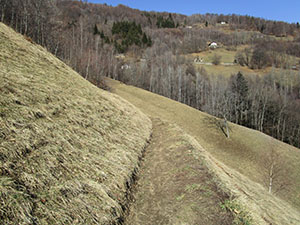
213	45
125	67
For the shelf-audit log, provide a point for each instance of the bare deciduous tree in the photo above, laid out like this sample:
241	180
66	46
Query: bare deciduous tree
275	174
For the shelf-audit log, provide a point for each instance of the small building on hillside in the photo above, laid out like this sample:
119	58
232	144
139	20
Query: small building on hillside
213	45
125	67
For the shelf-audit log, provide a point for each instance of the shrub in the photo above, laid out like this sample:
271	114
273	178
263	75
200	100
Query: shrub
216	60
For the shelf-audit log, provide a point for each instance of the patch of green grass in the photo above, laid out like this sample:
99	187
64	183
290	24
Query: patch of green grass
180	197
242	217
205	190
192	187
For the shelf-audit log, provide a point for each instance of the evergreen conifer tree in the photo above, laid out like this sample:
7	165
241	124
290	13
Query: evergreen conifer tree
96	31
239	87
144	39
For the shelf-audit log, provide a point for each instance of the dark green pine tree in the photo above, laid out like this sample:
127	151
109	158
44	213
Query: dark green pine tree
126	34
159	22
102	34
139	28
262	28
241	87
144	39
240	90
149	44
106	40
115	28
170	21
96	31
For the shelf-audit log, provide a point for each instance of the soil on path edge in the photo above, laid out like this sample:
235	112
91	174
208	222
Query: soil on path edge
173	186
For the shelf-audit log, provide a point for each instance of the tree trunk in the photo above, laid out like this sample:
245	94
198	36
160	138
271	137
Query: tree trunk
3	12
271	178
226	126
179	85
88	66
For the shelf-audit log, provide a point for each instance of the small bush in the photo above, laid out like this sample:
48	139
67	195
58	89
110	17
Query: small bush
239	58
242	217
216	60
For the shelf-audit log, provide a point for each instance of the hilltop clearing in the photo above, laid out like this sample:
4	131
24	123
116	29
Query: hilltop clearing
242	158
227	64
68	150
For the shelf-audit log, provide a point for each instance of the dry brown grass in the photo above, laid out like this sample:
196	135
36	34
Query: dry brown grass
67	148
263	207
175	186
243	155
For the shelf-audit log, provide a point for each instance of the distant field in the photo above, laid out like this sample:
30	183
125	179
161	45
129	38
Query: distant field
228	70
228	56
246	151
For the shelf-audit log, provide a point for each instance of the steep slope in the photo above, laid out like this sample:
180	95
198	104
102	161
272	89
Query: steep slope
242	158
67	149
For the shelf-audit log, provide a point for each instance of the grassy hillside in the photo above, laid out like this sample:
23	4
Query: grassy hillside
175	185
67	148
246	151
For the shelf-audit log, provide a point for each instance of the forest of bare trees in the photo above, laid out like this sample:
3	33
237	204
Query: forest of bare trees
269	103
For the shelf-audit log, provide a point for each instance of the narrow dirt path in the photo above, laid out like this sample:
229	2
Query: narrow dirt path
174	187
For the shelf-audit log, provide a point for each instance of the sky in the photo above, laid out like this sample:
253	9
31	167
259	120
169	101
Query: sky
280	10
